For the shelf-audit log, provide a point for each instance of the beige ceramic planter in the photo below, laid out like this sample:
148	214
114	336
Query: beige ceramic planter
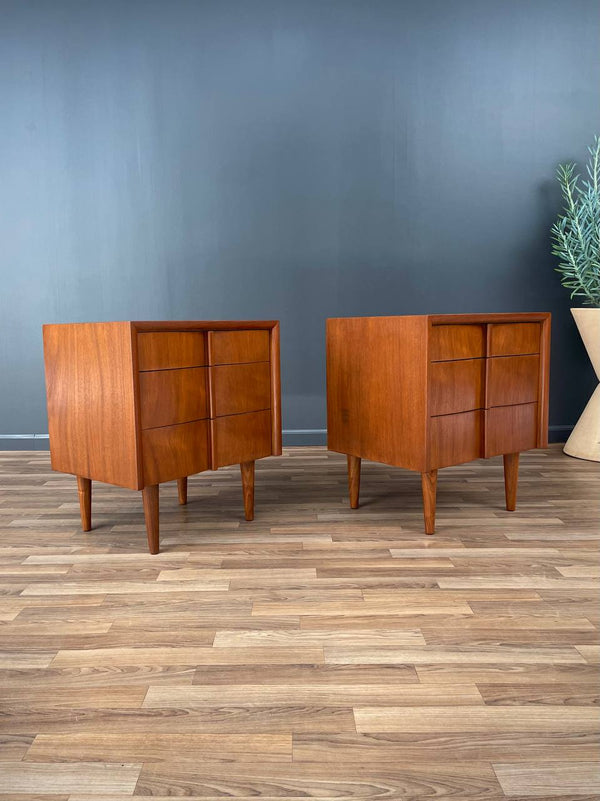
584	442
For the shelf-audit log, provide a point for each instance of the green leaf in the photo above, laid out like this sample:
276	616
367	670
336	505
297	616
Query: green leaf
575	235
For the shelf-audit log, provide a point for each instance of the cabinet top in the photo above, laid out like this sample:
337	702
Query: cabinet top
436	319
180	325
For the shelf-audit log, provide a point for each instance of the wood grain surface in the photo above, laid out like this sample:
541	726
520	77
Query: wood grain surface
91	409
510	429
456	438
240	388
512	379
457	386
431	391
239	438
168	397
235	347
506	339
456	342
377	388
129	402
174	451
171	349
317	651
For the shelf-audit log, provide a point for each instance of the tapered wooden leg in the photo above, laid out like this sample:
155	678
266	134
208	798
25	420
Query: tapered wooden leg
182	490
353	480
511	477
429	487
84	487
247	470
150	498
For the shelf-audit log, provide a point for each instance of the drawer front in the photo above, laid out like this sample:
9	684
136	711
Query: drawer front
455	438
507	339
241	438
164	350
456	342
236	347
512	379
456	386
509	429
175	451
168	397
240	388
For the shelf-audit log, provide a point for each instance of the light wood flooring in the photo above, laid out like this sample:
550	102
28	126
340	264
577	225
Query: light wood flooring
316	652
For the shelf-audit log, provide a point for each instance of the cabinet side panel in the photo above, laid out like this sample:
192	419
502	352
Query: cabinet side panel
544	391
376	389
91	408
275	391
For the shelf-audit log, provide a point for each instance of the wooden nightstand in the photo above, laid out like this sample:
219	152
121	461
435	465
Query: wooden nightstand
139	403
430	391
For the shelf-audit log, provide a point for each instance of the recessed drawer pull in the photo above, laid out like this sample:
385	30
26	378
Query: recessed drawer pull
512	379
511	339
165	350
240	437
456	342
168	397
236	347
510	429
456	438
240	388
174	451
456	386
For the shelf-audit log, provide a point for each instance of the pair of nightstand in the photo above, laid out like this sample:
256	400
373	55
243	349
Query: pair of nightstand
137	404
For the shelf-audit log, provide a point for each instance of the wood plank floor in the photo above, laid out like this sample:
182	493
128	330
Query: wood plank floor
315	652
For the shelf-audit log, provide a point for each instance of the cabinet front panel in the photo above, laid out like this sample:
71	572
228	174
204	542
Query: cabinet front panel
456	386
241	438
455	438
164	350
507	339
168	397
456	342
240	388
509	429
235	347
175	451
512	379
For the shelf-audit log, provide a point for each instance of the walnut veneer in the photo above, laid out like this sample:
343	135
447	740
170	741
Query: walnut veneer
139	403
430	391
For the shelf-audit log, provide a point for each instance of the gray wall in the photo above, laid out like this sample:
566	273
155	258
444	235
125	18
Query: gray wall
295	159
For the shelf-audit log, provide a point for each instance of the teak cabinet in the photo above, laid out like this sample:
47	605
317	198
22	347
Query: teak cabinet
424	392
139	403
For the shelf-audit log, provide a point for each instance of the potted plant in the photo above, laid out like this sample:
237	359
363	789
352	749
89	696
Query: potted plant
576	242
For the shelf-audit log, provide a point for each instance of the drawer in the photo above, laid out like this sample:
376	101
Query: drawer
241	438
456	342
168	397
456	386
509	429
455	438
235	347
163	350
239	388
175	451
507	339
512	379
